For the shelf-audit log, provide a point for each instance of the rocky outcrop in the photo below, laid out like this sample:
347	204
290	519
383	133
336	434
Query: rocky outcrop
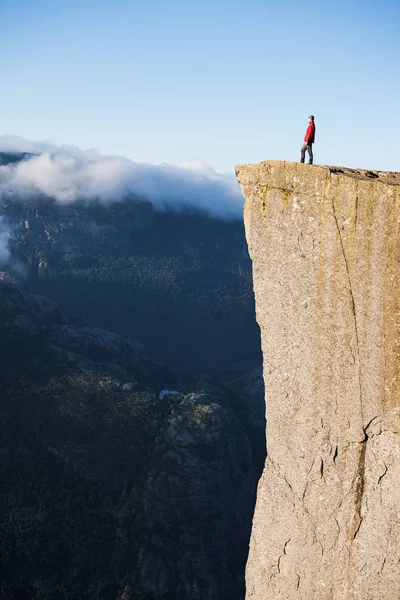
195	517
325	247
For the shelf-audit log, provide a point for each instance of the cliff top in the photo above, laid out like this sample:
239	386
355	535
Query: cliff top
387	177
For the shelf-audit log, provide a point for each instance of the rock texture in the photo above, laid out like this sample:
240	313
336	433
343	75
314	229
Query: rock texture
325	247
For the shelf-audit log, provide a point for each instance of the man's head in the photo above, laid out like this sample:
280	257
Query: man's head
311	118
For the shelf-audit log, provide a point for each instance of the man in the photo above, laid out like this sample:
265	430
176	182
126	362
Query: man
309	139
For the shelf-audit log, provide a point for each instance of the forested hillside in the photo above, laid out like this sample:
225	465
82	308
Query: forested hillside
104	484
109	488
178	282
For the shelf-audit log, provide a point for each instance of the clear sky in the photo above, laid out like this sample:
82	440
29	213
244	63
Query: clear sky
222	81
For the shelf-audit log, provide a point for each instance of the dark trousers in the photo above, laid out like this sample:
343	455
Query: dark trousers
307	147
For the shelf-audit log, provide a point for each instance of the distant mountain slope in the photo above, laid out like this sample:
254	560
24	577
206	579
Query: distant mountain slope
178	282
104	486
107	489
7	158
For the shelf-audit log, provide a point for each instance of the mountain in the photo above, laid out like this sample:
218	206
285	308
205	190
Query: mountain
177	281
112	487
109	487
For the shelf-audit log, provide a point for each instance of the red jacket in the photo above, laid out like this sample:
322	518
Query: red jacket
309	138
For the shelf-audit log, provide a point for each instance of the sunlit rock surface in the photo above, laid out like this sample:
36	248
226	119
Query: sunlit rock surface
325	247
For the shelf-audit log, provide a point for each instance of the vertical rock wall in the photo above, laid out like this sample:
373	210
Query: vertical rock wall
325	246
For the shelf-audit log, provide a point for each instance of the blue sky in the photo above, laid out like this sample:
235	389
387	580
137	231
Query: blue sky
224	82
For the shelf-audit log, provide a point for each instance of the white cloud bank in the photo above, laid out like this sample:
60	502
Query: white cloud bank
69	174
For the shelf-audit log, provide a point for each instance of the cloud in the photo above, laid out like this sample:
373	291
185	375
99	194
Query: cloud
14	143
69	174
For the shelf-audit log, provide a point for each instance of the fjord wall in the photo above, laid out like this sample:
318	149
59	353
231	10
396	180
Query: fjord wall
325	246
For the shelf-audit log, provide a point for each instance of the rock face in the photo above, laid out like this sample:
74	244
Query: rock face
325	246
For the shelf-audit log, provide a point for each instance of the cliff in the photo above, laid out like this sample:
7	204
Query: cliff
325	247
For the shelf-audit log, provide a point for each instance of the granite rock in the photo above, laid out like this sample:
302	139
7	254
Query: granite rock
325	247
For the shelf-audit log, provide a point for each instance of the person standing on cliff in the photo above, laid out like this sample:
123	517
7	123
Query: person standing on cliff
309	139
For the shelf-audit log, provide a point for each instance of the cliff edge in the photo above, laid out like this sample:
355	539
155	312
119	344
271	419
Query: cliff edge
325	246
